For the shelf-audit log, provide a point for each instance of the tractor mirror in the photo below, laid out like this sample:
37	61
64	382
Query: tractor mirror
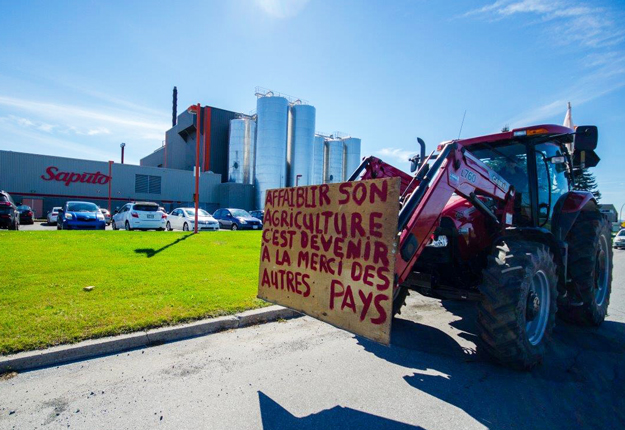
586	137
414	164
583	159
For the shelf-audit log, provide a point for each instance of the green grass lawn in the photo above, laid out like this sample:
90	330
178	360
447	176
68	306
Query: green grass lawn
141	280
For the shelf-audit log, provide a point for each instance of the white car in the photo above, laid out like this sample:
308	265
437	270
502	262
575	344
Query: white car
53	215
619	240
184	219
139	216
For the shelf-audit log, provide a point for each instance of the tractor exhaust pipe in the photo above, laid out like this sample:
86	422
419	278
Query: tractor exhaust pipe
417	160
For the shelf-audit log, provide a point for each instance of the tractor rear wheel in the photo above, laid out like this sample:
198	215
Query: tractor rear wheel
590	270
518	307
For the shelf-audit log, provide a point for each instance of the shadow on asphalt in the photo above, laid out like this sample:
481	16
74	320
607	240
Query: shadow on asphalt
275	417
580	384
151	252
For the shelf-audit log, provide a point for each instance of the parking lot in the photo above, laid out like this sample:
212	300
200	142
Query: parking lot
43	226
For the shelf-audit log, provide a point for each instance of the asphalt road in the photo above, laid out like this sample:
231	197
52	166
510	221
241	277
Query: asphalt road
43	226
303	374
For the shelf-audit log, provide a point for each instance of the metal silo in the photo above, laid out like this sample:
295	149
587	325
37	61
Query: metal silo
351	158
317	160
241	151
333	160
302	129
271	145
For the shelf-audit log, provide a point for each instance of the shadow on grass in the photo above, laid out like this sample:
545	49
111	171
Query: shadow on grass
151	252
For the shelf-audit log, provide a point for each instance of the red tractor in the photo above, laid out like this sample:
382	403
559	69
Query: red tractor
495	219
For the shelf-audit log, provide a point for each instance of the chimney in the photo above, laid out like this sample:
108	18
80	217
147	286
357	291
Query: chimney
174	108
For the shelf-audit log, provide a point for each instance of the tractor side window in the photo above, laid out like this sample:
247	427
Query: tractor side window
552	180
510	161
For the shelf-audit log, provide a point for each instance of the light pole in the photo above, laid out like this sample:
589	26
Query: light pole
122	146
197	111
110	180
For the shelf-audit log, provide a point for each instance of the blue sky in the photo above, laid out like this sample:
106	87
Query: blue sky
78	78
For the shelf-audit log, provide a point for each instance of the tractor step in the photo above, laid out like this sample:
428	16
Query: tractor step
422	284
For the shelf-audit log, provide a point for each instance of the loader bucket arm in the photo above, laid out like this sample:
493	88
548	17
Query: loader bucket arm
454	170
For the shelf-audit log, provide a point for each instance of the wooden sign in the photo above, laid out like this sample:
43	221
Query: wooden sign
329	251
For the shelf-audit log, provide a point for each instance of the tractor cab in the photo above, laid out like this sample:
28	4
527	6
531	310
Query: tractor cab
536	162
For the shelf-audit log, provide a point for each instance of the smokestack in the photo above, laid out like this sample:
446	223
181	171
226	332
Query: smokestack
174	108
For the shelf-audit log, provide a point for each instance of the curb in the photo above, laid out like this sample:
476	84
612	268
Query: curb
93	348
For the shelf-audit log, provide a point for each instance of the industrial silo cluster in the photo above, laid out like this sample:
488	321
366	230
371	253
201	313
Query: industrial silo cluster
278	147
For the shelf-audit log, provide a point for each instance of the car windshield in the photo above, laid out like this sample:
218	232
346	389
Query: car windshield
201	212
239	213
82	207
23	208
145	208
56	209
621	233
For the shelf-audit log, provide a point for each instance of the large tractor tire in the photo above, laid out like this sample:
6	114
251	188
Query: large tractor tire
399	299
518	308
590	270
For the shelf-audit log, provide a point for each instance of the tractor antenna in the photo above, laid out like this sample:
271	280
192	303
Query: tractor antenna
462	124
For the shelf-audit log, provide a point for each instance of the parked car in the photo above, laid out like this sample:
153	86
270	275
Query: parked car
619	239
107	215
184	219
258	215
140	216
27	216
9	215
80	216
237	219
53	215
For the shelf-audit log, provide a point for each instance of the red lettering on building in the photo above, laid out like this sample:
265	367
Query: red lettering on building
53	174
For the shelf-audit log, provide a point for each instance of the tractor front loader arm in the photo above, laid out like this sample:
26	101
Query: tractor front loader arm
455	170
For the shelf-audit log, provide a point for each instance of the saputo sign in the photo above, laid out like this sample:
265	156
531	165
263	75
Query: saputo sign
329	251
53	174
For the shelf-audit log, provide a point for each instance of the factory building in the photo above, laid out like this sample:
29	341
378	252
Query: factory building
241	156
45	181
178	151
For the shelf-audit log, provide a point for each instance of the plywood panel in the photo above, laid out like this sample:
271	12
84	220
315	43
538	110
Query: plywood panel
329	252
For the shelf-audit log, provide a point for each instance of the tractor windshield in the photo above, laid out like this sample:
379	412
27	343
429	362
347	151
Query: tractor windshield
510	161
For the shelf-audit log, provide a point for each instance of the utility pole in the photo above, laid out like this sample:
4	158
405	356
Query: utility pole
110	180
197	164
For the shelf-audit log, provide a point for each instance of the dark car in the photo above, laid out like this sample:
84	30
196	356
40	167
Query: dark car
27	216
258	214
80	216
237	219
9	215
